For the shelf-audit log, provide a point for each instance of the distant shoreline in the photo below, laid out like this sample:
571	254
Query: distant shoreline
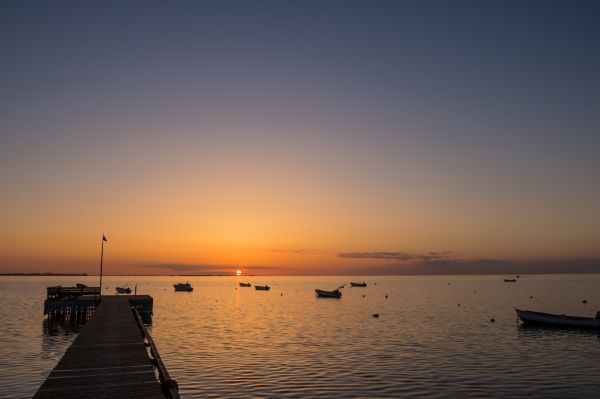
45	274
292	275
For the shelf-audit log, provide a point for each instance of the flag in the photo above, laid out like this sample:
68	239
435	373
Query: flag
104	238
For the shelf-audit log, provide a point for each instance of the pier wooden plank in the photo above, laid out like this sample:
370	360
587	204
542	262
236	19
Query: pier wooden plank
108	359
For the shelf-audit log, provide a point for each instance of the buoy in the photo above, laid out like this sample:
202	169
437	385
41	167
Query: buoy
531	297
459	304
492	320
281	294
584	301
375	314
363	295
386	297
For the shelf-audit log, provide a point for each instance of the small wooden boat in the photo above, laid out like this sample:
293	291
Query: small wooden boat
123	290
262	287
183	287
245	285
363	284
510	280
79	285
558	320
329	294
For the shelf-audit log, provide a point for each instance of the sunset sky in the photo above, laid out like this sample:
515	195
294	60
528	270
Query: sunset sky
307	137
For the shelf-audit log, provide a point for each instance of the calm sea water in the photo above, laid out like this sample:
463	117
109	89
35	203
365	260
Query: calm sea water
433	338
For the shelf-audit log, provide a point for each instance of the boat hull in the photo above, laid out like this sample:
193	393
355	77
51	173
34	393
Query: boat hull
329	294
262	287
183	287
122	290
548	319
358	284
245	285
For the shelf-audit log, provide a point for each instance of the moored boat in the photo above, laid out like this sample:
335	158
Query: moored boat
245	285
510	280
262	287
183	287
558	320
123	290
329	294
363	284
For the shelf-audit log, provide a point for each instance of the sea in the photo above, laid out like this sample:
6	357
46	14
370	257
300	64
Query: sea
434	337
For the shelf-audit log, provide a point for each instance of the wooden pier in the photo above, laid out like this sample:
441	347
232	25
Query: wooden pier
112	357
80	302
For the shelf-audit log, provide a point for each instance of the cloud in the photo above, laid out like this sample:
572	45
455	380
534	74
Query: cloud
180	267
300	251
428	258
183	267
402	256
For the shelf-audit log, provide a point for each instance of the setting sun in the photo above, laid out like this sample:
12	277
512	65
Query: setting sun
238	272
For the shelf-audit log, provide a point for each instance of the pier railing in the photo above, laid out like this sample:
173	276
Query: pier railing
60	292
168	385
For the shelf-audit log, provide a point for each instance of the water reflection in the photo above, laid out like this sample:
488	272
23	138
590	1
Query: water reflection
535	331
61	326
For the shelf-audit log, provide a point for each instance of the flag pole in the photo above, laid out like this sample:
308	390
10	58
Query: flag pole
101	260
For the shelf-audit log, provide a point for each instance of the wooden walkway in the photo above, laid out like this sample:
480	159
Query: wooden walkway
108	359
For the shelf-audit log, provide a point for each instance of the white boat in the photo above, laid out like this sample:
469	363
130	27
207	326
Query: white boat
329	294
183	287
558	320
123	290
262	287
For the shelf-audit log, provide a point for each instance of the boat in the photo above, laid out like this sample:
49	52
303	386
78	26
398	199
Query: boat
262	287
79	285
245	285
510	280
123	290
363	284
558	320
183	287
329	294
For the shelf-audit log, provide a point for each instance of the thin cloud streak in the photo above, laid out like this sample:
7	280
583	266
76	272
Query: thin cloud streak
300	251
402	256
206	268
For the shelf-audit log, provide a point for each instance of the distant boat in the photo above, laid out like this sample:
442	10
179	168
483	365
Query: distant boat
79	285
123	290
183	287
245	285
262	287
363	284
557	320
510	280
329	294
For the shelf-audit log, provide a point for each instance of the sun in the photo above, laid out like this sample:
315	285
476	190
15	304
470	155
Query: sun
238	272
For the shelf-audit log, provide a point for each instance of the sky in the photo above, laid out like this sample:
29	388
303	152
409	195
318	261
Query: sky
308	137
